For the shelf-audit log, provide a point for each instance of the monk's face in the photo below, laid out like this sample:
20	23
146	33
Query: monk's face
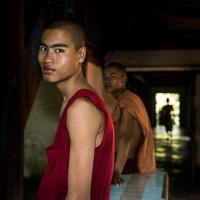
114	80
58	56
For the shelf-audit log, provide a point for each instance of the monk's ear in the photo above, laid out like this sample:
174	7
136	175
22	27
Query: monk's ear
82	54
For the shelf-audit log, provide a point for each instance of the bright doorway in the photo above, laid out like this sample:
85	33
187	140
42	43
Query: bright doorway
174	100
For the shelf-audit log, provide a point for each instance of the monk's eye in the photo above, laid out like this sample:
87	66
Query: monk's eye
113	77
42	49
59	50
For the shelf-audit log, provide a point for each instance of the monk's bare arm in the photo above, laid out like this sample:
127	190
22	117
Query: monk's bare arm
130	138
124	143
83	130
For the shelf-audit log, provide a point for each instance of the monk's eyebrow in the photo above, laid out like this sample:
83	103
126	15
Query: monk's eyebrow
113	73
54	45
42	44
59	45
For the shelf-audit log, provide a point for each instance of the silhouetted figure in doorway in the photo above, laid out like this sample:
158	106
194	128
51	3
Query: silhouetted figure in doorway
166	117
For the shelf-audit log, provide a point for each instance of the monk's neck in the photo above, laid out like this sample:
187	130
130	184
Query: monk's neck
118	93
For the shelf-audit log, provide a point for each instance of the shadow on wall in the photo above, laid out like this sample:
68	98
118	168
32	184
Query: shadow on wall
40	128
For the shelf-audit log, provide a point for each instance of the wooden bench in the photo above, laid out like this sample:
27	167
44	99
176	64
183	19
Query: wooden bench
142	187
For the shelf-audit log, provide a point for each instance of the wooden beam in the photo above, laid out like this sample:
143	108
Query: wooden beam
163	69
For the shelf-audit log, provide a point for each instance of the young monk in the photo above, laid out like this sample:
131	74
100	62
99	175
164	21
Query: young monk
81	159
134	139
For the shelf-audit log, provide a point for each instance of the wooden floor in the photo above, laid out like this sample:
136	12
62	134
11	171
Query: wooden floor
173	155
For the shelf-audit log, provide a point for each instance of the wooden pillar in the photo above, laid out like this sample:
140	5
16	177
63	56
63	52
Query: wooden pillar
13	115
197	123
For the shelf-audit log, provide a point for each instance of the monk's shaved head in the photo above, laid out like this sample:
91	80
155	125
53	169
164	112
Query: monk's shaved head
74	29
119	67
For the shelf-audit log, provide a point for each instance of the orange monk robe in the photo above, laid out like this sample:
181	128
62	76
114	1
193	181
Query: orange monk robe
145	156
